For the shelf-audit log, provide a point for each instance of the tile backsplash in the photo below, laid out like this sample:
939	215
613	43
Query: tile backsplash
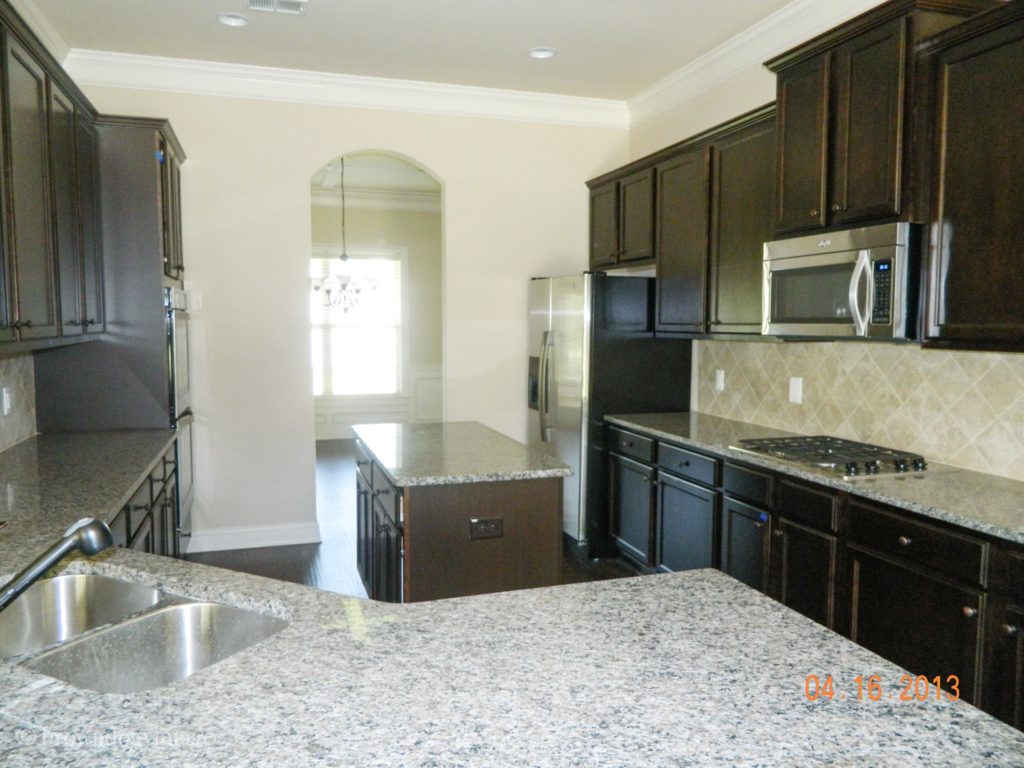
18	376
959	408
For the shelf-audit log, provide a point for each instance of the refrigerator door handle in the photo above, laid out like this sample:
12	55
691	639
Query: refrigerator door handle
542	396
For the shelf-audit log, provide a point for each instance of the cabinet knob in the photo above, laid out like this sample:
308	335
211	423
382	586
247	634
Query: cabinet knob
361	462
684	463
381	492
629	443
1010	629
904	541
777	532
22	324
90	321
758	524
969	612
74	323
813	213
837	207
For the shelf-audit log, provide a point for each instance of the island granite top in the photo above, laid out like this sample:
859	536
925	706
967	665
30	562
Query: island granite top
689	669
454	452
985	503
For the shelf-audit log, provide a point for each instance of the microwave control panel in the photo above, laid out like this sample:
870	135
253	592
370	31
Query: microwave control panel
881	299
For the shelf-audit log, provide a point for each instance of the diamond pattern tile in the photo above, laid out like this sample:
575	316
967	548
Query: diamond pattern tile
960	408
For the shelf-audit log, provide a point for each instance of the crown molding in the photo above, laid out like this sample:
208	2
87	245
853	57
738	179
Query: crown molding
43	29
379	200
788	27
153	73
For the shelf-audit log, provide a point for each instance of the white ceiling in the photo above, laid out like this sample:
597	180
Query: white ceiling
611	49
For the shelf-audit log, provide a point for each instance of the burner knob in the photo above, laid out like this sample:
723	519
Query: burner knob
852	468
900	465
920	465
871	467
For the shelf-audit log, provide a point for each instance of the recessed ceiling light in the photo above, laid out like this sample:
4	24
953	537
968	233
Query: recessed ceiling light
542	53
232	19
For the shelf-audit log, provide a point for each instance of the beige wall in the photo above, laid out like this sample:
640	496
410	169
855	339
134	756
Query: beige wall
515	206
17	375
960	408
420	234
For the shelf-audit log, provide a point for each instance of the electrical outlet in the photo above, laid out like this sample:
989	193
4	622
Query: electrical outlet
796	390
6	404
719	380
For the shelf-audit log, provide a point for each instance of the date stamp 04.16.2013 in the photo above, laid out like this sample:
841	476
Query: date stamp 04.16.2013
871	688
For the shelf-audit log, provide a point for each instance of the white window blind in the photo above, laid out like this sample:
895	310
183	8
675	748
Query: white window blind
357	343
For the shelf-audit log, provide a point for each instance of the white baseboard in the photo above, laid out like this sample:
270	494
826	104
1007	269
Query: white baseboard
217	539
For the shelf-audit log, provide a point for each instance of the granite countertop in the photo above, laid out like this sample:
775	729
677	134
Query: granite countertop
454	452
49	481
678	669
985	503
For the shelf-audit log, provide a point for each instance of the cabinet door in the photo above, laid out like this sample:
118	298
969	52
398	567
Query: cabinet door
64	167
630	494
743	182
636	216
802	93
170	204
364	530
686	525
682	242
387	558
976	287
870	80
925	624
803	570
89	220
744	542
28	194
604	226
1003	691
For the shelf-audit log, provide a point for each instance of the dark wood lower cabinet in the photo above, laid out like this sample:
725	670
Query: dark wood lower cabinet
364	526
802	570
926	624
387	557
744	542
1003	687
631	501
686	525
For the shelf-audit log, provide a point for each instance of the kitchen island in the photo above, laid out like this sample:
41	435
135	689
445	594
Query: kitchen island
680	669
447	509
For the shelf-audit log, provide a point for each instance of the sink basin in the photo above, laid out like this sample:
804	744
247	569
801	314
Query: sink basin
157	648
58	609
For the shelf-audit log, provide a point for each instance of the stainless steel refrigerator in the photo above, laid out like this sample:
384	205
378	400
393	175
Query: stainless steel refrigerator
593	352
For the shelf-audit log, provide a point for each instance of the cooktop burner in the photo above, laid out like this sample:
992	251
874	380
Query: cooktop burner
848	458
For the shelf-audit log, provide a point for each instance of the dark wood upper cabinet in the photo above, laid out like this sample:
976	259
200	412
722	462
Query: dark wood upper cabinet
604	226
170	159
976	84
802	99
87	142
681	241
636	216
28	212
742	185
845	101
64	173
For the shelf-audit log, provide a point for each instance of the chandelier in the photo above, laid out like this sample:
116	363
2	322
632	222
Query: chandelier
334	291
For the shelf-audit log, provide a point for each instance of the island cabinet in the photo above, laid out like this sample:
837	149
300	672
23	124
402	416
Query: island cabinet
148	521
975	296
458	510
916	595
845	117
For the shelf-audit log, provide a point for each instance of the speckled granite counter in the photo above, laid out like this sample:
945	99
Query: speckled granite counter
985	503
49	481
454	452
689	669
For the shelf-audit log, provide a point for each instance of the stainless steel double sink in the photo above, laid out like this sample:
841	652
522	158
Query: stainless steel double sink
115	636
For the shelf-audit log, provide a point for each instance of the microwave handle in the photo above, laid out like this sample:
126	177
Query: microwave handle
860	319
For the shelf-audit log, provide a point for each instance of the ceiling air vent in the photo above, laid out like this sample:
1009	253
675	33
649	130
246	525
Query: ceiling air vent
294	7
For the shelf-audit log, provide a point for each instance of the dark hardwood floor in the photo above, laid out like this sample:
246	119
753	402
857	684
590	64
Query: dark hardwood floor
331	564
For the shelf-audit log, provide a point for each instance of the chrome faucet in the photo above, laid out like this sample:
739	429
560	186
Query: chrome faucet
88	535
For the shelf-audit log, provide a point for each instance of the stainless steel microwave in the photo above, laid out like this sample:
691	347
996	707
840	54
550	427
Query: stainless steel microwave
854	283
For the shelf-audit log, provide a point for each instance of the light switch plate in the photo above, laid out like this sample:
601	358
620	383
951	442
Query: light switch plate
719	380
6	406
796	390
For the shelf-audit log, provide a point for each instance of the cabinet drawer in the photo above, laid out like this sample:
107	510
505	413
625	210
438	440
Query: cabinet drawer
747	484
1007	574
810	506
630	444
892	533
692	466
363	461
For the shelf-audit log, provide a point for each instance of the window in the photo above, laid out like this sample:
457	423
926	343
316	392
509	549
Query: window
357	342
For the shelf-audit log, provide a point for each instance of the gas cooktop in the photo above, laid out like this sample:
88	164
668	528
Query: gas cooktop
847	458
